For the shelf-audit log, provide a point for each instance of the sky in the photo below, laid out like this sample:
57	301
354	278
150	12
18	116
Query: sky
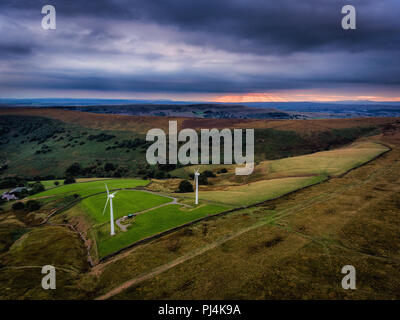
201	50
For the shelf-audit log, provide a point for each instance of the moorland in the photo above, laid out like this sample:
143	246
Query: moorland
324	193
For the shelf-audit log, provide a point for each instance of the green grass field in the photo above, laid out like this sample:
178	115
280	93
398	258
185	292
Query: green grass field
49	184
85	189
150	223
124	203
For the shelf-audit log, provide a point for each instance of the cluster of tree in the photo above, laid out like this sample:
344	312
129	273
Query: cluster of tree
29	206
43	178
185	186
129	144
43	150
12	182
101	137
96	169
3	168
69	180
203	177
160	171
36	188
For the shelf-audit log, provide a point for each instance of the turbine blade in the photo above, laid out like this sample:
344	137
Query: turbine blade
108	192
106	205
115	192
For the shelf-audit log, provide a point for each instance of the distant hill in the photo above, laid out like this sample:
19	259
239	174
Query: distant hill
253	110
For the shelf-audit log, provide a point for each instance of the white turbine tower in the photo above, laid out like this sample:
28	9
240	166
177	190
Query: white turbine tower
196	179
110	196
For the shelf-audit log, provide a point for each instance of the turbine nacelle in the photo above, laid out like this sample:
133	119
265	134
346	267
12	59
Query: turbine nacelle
112	195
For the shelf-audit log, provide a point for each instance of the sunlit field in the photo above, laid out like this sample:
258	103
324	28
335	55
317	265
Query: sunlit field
85	189
150	223
124	203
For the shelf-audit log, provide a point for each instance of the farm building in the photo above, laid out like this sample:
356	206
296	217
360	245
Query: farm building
7	196
13	194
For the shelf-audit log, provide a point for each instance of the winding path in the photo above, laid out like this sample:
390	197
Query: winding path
174	201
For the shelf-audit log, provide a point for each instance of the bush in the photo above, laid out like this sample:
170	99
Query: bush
56	183
69	180
33	205
74	170
185	186
203	180
160	175
209	174
18	206
37	187
223	170
11	182
109	167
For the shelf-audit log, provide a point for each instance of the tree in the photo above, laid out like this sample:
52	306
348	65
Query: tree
37	187
74	170
223	170
69	180
33	205
160	175
209	174
203	180
185	186
18	206
56	183
109	167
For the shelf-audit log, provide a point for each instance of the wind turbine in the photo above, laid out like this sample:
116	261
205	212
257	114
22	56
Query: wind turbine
110	196
196	179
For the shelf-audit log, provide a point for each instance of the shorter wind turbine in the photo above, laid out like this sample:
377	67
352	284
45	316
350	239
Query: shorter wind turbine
196	179
110	196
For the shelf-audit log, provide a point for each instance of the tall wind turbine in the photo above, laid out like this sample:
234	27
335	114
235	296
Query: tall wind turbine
110	196
196	179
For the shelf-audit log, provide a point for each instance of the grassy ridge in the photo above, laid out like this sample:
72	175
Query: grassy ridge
150	223
333	163
285	175
125	202
50	146
257	191
93	187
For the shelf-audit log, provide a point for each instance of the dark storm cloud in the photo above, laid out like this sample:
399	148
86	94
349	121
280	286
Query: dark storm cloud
250	26
319	53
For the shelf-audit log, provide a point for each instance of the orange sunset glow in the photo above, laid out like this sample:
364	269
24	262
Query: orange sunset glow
290	97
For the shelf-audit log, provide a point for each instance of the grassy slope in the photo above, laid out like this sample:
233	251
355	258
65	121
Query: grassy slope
125	202
143	124
153	222
88	188
289	174
67	142
50	245
298	255
258	191
333	163
49	184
